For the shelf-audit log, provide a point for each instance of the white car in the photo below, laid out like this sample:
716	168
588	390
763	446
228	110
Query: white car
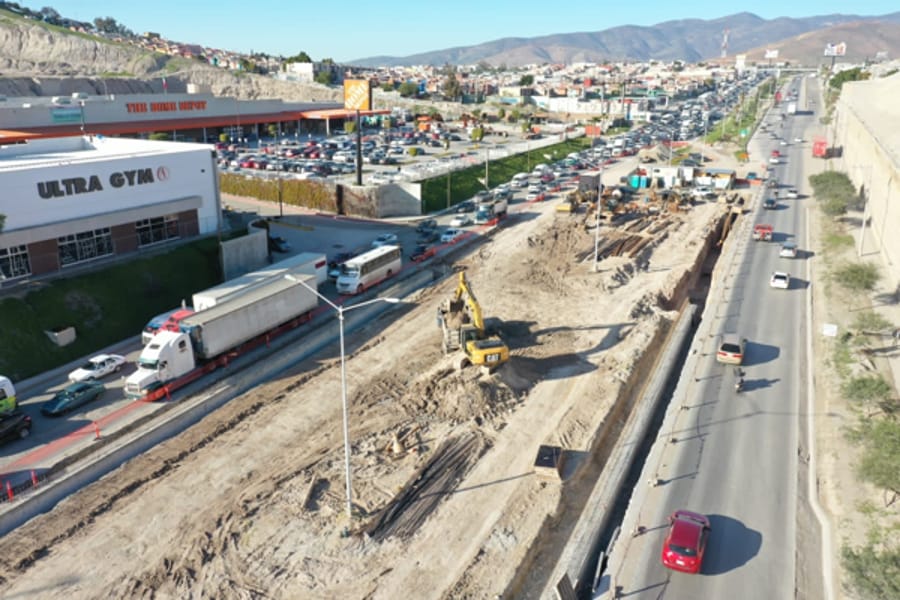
780	280
460	221
798	140
792	193
783	142
384	239
788	250
450	236
774	160
97	367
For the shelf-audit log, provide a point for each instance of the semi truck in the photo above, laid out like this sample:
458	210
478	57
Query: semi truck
207	337
792	108
489	210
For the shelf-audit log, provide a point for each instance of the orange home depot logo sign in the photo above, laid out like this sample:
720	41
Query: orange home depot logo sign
357	94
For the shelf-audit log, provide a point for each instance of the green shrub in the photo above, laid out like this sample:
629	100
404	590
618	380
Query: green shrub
857	277
867	389
874	573
871	321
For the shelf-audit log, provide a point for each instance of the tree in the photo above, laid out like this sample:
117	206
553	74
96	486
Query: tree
867	389
834	190
408	89
451	87
879	463
526	80
501	113
874	573
387	86
302	57
160	136
2	222
854	74
272	129
325	77
50	15
110	25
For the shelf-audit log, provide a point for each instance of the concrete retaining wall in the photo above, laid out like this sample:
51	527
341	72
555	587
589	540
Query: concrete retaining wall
867	126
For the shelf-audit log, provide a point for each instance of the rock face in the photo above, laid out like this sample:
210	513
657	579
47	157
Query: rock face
36	61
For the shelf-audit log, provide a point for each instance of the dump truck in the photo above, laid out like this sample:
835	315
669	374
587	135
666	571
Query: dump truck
489	210
210	334
466	332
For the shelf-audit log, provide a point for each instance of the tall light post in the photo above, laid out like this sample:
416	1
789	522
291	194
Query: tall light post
340	311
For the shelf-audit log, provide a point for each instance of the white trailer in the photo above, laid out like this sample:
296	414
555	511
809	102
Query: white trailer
230	324
305	263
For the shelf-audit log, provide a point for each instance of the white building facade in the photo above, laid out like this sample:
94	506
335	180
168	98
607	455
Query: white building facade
75	200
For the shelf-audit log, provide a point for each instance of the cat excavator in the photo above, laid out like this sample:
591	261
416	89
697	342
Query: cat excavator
465	330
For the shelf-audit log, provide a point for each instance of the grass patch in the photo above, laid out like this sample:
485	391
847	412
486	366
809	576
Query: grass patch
834	241
464	182
104	306
871	321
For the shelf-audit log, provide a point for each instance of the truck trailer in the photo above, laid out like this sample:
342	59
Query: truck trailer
305	263
210	334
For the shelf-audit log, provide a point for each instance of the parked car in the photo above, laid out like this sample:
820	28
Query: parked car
15	425
460	220
450	235
71	397
780	280
731	350
384	239
97	367
278	244
686	541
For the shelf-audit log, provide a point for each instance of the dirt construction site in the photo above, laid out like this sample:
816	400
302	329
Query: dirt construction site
250	502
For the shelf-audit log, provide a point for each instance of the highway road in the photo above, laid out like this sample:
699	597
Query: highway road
734	456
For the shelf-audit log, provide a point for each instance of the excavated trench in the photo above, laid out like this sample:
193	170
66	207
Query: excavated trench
535	570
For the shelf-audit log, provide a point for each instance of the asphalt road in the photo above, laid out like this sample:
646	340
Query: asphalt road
734	456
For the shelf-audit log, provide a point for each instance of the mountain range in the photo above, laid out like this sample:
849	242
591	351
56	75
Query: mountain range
690	40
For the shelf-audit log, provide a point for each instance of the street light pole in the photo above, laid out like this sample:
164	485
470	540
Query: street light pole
344	405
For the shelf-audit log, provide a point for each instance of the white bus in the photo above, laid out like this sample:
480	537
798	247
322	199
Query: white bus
362	272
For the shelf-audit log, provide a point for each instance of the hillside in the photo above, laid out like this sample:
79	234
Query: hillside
864	40
691	40
41	60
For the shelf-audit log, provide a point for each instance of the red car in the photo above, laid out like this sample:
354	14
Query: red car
686	541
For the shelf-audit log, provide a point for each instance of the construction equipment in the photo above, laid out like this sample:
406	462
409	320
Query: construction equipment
466	331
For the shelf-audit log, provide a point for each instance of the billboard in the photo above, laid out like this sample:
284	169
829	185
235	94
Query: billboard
771	54
357	94
836	49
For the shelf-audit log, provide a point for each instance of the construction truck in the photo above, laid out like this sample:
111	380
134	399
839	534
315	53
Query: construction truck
467	332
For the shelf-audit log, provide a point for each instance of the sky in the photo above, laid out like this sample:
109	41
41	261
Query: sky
352	29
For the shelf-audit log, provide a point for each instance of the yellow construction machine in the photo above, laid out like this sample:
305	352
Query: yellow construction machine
467	332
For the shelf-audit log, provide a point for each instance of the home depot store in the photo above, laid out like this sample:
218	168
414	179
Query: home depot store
74	200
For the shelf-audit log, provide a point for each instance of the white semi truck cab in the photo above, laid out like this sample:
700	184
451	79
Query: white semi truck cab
168	356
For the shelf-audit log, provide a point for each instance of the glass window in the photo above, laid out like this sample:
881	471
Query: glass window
84	246
14	262
157	230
